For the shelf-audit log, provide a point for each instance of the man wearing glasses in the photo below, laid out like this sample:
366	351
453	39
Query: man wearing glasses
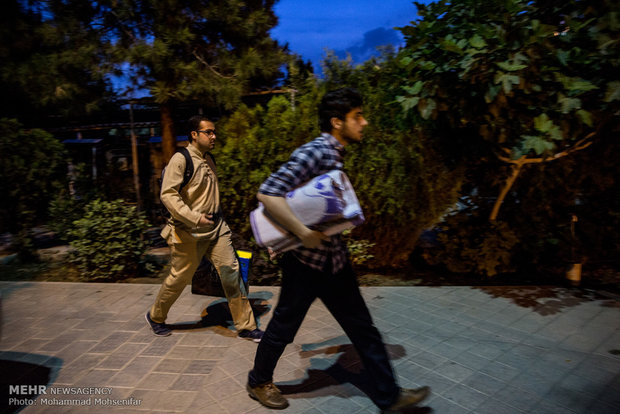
196	229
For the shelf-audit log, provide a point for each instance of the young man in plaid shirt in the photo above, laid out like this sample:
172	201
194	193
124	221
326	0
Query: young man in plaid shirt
321	268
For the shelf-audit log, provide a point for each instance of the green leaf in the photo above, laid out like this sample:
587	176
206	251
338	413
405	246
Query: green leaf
408	103
575	84
492	93
536	143
427	65
415	89
542	123
568	104
510	67
426	108
556	133
563	57
477	41
449	44
507	81
585	116
613	91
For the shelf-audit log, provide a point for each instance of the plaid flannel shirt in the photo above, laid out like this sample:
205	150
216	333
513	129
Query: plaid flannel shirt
321	155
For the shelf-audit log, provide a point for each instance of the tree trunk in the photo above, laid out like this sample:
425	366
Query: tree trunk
517	164
516	169
134	157
168	137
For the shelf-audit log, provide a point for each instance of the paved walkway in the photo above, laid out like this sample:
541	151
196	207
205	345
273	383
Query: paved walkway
482	350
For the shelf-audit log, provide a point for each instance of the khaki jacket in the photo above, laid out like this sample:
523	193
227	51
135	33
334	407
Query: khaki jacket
200	196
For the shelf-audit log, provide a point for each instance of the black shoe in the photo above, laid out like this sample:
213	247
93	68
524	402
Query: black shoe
159	329
407	399
255	335
268	395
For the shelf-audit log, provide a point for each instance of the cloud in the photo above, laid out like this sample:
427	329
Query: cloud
362	50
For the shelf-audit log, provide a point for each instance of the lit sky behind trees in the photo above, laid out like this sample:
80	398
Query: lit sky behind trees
343	26
356	27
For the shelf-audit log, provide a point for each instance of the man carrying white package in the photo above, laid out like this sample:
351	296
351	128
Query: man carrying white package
320	268
326	203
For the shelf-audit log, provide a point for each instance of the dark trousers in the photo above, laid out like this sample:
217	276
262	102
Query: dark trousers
341	295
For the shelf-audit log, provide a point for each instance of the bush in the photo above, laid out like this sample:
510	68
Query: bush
108	241
359	250
68	205
470	244
402	176
33	170
64	211
256	142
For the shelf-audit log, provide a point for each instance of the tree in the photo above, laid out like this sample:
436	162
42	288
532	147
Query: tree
529	81
33	170
51	60
211	51
510	83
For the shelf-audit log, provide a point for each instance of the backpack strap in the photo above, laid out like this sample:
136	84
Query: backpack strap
208	156
189	167
212	157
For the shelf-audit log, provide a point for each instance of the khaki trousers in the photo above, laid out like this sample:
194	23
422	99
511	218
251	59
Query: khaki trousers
186	257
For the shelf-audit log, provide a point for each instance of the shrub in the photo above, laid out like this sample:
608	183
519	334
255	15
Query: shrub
32	167
68	205
400	178
64	210
469	244
108	241
359	250
256	141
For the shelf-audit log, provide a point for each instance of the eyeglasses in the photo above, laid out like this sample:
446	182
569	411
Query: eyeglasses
208	132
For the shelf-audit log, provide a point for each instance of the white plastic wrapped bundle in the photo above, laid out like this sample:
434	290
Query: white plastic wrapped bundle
326	203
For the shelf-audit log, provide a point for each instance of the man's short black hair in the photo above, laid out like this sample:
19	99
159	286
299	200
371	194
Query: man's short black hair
194	123
337	104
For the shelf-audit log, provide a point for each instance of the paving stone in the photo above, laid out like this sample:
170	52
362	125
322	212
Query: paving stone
172	365
157	381
199	366
482	350
188	382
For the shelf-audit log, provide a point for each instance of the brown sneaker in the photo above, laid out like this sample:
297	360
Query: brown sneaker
269	395
407	400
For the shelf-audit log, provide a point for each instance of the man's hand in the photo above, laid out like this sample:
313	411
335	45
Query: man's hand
206	220
311	239
282	213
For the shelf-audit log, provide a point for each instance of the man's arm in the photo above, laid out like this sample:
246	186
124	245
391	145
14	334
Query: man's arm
171	198
281	211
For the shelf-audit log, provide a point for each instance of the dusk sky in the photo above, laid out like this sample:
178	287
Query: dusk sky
310	27
356	27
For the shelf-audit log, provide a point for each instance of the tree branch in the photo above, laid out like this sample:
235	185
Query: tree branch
579	145
520	162
516	169
201	60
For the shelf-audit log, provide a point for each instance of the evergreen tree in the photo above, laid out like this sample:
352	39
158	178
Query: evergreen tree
51	60
211	51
